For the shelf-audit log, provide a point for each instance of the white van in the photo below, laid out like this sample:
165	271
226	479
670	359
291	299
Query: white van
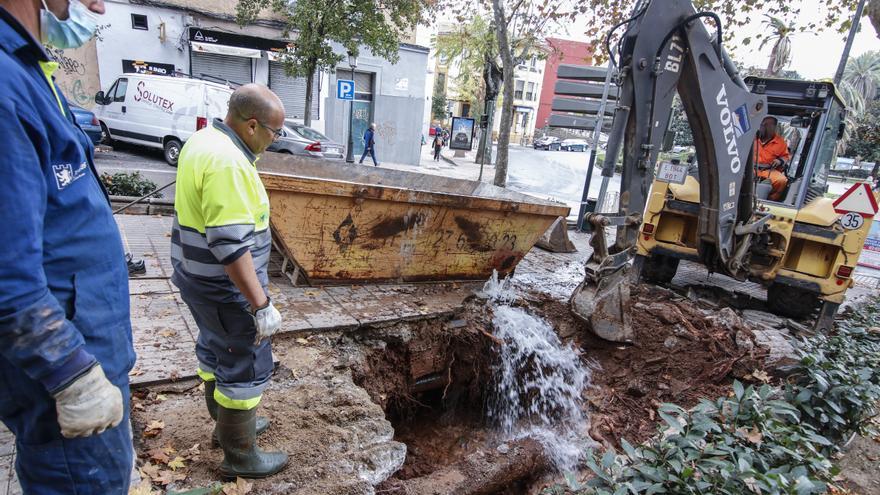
159	111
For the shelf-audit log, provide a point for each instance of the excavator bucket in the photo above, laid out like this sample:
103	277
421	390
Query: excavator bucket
602	303
556	238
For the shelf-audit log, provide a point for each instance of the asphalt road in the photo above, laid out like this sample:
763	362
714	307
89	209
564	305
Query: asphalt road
128	159
557	175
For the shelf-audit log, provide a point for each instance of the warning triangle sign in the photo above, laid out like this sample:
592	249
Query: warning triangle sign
858	199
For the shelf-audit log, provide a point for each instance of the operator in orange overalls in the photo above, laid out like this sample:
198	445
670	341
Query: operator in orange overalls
772	152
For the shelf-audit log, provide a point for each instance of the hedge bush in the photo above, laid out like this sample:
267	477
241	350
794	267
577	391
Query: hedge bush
760	439
128	184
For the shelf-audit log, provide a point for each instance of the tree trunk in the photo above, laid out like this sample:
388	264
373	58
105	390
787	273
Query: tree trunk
507	99
307	114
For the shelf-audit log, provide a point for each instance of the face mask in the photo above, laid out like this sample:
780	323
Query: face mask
74	32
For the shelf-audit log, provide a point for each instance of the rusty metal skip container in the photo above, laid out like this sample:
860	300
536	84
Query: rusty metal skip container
343	223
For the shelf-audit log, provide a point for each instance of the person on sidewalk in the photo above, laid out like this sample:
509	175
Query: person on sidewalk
370	145
220	243
65	333
437	144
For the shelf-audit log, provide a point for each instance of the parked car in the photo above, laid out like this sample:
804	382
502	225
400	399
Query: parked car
88	122
297	139
546	143
574	145
159	111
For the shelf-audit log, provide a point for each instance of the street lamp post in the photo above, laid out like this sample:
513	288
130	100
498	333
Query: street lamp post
349	155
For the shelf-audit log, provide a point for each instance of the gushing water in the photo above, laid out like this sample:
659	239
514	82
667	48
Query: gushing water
539	381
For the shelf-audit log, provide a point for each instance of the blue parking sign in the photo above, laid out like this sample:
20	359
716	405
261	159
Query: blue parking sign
344	89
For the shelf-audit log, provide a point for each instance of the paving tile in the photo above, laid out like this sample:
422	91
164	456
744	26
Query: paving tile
312	305
7	472
437	299
158	318
363	305
163	362
148	237
149	286
7	442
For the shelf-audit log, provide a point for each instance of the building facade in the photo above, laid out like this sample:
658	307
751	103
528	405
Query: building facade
199	38
528	80
559	51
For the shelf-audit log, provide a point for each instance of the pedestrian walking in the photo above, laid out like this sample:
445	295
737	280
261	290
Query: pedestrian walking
65	333
370	145
437	144
220	244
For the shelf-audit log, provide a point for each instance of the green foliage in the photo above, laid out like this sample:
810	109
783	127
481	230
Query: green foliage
438	107
865	141
764	440
679	125
125	184
315	24
468	46
599	15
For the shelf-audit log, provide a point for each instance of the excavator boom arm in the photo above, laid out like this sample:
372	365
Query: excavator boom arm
667	48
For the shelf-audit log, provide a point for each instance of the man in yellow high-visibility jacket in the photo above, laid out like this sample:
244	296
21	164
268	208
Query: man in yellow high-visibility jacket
220	247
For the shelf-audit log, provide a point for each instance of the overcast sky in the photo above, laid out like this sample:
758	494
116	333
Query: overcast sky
814	56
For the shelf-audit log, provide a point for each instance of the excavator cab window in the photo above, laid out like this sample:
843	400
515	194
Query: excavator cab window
825	151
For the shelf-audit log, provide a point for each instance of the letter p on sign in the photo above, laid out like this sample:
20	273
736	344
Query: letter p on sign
344	89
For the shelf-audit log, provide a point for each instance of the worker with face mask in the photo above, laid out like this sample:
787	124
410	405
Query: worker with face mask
65	334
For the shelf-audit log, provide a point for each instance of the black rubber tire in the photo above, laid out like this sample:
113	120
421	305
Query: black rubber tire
791	302
172	151
659	269
105	135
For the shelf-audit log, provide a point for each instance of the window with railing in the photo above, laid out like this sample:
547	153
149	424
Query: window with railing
518	89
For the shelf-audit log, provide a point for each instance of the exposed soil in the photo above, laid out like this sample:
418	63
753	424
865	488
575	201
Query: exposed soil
337	438
681	353
400	409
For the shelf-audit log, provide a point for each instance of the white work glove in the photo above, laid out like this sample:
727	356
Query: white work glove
268	321
89	405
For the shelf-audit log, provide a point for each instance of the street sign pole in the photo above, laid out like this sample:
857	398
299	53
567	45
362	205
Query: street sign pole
597	132
838	76
349	154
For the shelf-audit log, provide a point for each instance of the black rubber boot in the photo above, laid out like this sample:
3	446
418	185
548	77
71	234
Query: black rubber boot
262	422
241	456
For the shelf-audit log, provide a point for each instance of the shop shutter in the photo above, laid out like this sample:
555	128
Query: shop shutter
226	67
363	85
292	91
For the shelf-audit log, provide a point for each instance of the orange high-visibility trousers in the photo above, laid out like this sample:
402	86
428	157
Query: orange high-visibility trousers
778	181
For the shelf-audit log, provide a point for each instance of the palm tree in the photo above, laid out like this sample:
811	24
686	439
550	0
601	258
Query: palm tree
859	86
863	73
781	33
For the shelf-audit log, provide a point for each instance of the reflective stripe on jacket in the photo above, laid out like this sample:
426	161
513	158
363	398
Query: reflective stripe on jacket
221	212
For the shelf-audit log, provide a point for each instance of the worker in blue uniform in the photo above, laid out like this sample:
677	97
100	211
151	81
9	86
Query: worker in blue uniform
65	333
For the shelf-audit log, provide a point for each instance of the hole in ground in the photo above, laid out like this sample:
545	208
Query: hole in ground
431	379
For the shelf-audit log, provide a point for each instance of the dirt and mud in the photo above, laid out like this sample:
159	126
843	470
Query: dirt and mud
401	408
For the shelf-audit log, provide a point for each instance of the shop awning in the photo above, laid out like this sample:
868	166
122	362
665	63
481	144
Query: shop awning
234	51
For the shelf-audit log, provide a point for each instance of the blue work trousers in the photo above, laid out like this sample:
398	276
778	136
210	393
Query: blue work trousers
227	353
372	152
49	464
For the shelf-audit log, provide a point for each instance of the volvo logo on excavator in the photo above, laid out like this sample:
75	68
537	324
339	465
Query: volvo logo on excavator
735	125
